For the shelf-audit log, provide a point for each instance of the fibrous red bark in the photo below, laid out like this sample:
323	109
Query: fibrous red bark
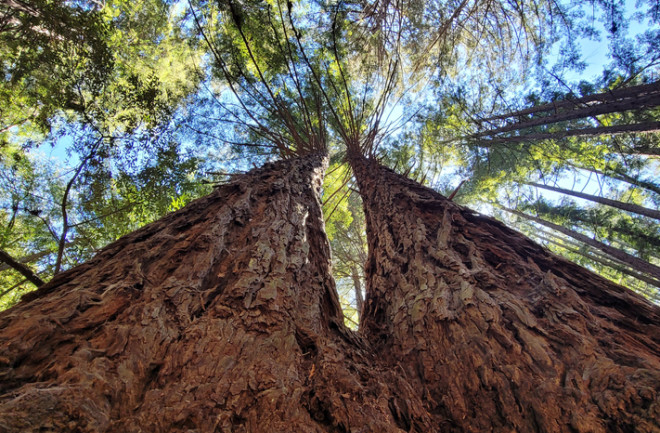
496	332
222	316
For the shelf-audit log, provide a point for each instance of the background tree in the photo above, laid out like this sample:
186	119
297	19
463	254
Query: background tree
99	83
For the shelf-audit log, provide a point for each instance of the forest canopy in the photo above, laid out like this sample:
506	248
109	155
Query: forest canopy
545	115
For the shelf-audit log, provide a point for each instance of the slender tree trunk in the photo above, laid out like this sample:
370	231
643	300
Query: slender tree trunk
572	115
634	98
583	132
30	258
222	316
635	181
626	94
497	333
576	245
357	285
624	177
628	207
14	287
650	239
635	263
585	217
27	259
604	261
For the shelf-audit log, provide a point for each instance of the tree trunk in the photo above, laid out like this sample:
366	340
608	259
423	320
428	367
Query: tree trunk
646	127
222	316
497	333
541	233
573	115
628	207
357	286
30	258
624	177
633	98
586	218
629	94
21	268
635	263
605	261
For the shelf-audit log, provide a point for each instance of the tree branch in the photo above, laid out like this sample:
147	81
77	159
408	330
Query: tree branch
21	268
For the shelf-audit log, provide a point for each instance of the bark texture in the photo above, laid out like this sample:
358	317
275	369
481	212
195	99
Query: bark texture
221	317
497	333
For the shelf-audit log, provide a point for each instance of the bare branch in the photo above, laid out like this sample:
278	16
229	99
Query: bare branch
21	268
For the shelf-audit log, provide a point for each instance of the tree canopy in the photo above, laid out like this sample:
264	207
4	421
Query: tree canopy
114	113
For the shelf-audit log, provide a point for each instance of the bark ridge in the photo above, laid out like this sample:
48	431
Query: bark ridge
499	333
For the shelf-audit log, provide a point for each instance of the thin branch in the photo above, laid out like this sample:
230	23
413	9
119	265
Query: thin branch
65	216
21	268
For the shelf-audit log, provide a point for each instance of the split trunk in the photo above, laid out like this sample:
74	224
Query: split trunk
224	317
221	317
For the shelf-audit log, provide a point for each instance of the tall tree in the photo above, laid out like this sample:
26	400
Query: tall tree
498	166
606	223
166	329
612	101
222	316
592	255
634	262
496	332
629	207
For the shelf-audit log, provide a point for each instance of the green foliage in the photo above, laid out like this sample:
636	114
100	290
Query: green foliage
148	96
26	186
119	67
108	199
345	225
46	48
335	200
121	202
498	170
606	223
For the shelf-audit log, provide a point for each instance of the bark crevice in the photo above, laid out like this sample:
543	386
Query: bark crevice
499	332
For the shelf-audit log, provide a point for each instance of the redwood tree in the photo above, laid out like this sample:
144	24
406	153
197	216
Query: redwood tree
222	316
497	333
614	101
